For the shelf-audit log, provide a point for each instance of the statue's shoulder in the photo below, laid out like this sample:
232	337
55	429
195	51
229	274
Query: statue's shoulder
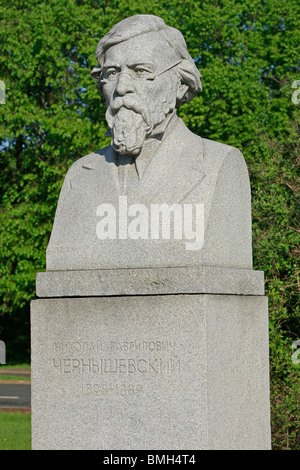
213	152
212	148
229	166
222	156
92	160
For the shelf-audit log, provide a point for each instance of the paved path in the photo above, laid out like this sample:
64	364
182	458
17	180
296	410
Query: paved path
15	394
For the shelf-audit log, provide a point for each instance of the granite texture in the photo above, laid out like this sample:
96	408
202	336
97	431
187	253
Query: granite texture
158	339
151	281
150	372
166	165
224	192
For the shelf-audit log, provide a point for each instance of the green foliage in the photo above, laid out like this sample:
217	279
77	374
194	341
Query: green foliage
248	53
275	186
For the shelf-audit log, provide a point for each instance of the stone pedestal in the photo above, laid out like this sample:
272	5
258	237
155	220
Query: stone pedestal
166	359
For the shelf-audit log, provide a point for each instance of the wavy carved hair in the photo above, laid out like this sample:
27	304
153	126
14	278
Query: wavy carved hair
141	24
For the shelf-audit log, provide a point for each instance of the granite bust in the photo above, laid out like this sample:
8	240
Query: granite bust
145	74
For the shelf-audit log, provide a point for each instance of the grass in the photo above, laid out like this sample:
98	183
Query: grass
15	431
15	366
15	427
10	369
13	377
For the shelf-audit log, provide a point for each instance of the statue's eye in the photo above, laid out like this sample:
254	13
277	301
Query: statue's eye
111	73
141	70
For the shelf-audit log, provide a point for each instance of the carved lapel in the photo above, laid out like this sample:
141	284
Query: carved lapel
174	171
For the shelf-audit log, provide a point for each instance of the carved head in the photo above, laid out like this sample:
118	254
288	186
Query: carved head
145	72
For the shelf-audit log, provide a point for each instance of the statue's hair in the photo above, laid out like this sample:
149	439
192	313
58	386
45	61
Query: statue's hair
141	24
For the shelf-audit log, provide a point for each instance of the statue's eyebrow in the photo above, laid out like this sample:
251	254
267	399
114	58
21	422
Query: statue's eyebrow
143	64
130	65
111	64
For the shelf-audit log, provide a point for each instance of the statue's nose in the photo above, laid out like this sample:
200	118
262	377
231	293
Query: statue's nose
125	84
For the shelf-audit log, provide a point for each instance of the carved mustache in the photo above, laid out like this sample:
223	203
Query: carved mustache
131	103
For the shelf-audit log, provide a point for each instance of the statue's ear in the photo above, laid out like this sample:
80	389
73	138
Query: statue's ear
96	73
190	81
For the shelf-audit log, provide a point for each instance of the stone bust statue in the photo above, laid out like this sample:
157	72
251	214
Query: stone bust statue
118	203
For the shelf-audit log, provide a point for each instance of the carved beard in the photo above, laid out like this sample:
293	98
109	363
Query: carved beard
131	123
129	130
